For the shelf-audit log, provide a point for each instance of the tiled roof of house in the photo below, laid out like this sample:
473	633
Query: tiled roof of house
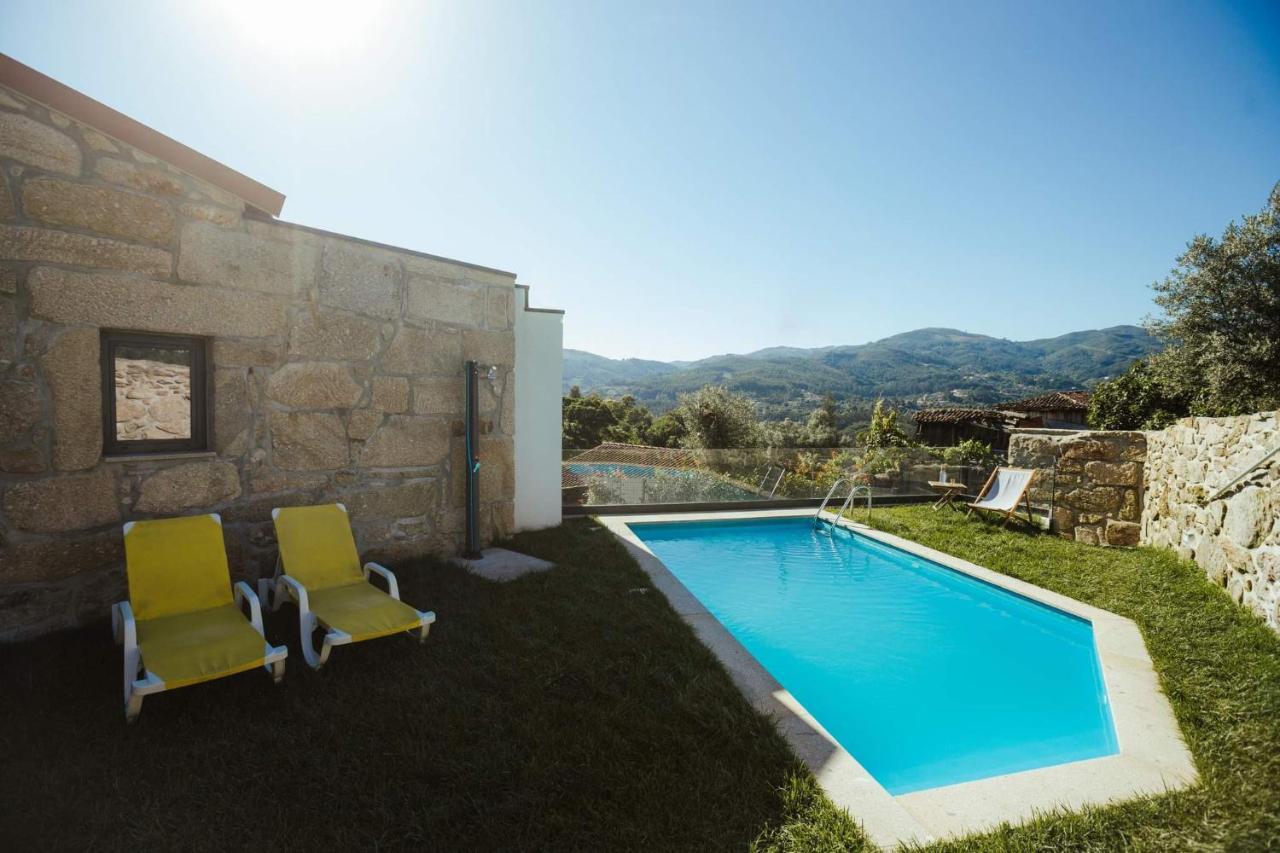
956	416
637	454
1054	401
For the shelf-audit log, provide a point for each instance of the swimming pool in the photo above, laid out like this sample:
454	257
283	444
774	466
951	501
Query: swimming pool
927	676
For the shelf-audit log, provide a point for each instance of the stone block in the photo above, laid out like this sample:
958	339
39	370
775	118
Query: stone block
359	278
489	348
189	486
499	312
218	256
421	352
1123	533
248	353
407	499
128	303
405	441
391	394
1114	473
1247	519
108	211
22	243
1088	534
26	611
154	181
309	441
59	557
232	409
8	210
497	468
96	141
19	409
327	333
1094	499
444	300
210	213
361	423
1130	506
55	505
25	460
8	329
314	385
438	397
26	140
71	370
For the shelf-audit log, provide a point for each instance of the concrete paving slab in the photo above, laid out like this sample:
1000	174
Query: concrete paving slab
499	564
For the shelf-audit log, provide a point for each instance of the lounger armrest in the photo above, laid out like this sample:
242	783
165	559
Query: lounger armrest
123	628
297	590
393	588
243	593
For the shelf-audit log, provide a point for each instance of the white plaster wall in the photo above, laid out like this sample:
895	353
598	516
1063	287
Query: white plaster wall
539	365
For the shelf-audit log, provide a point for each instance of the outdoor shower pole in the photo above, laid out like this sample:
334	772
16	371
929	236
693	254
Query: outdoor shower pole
471	429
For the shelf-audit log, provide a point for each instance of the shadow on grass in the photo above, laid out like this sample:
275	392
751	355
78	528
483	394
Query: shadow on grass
565	710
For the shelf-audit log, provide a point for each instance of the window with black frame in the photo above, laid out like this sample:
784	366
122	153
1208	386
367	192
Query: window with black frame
154	393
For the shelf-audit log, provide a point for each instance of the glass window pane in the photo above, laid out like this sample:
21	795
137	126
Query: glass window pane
153	392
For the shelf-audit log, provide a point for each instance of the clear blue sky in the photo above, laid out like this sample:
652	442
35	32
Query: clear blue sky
693	178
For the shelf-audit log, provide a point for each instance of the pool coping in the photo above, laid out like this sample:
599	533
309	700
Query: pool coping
1153	759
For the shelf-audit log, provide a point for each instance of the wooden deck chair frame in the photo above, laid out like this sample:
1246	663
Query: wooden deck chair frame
281	587
140	683
1011	513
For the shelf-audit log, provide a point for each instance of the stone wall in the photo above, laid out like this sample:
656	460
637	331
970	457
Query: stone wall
153	399
1093	481
1235	538
335	369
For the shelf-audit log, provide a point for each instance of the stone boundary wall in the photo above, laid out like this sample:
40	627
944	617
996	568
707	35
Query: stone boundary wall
1235	538
1092	479
335	367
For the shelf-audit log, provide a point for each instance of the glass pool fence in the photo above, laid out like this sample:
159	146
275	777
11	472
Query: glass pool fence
617	475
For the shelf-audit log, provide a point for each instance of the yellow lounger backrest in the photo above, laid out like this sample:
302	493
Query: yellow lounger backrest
316	545
176	565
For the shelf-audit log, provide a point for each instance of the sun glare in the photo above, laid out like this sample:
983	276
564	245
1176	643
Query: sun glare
310	32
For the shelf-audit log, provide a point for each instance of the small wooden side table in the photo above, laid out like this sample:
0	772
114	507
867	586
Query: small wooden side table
947	492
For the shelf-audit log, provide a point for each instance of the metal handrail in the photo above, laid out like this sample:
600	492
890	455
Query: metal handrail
1266	457
854	489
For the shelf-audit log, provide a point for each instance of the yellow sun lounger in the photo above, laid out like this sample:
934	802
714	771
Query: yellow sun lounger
319	568
183	622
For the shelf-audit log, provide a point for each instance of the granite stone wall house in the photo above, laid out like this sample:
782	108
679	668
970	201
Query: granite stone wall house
167	346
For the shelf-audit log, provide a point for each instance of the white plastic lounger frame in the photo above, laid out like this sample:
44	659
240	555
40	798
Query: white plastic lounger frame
284	586
140	683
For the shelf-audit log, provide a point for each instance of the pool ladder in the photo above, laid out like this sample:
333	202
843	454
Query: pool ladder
855	489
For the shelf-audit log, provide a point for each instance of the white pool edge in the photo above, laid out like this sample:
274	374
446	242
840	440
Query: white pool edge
1152	759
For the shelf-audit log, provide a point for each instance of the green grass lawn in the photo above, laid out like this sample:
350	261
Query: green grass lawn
574	710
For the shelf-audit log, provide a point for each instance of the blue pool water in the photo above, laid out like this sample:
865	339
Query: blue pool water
925	675
615	469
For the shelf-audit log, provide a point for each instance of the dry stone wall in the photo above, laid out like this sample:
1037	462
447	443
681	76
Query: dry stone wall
1093	481
1161	488
1235	537
335	371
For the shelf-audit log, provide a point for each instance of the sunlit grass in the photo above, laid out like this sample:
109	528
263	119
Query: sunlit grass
574	710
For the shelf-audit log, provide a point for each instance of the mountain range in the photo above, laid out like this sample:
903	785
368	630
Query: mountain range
925	367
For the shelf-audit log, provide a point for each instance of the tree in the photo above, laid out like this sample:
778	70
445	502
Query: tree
592	420
1222	319
884	431
1136	399
821	429
715	417
665	431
